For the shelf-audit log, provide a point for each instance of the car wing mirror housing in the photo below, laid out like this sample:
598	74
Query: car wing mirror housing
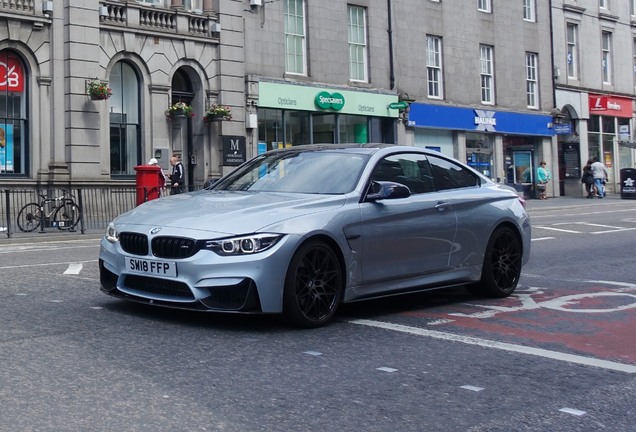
381	190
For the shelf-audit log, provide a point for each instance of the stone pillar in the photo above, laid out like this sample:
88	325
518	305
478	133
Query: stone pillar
207	6
176	4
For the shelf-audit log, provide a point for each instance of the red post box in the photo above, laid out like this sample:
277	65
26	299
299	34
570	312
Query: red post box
149	181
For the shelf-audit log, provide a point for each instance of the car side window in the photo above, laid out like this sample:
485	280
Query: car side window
449	175
410	169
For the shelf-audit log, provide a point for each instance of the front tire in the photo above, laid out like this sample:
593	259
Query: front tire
313	285
67	215
502	265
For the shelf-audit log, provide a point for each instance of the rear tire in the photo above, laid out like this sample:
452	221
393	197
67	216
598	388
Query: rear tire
313	285
29	217
67	215
502	265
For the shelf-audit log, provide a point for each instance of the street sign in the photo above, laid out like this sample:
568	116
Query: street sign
398	105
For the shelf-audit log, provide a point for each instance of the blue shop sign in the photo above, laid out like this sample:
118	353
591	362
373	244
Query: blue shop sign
479	120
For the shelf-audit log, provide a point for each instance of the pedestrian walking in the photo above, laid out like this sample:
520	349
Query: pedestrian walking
587	178
176	178
543	177
600	177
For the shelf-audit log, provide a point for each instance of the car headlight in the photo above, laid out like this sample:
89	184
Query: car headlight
244	245
111	233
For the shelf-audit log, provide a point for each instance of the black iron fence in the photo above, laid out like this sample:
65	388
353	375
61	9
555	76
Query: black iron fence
97	207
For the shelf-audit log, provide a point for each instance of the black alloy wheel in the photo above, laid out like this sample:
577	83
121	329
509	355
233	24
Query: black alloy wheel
313	285
502	265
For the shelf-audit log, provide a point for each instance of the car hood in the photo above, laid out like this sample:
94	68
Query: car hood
226	212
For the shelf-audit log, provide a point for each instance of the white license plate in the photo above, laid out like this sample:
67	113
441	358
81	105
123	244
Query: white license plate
151	267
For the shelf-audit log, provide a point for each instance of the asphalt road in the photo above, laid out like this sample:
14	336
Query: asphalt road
556	356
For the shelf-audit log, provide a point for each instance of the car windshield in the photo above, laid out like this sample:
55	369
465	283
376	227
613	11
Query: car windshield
317	172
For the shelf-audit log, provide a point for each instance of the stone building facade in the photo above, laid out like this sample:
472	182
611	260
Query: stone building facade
150	56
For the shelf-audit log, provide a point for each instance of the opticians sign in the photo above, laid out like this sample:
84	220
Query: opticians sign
309	98
325	100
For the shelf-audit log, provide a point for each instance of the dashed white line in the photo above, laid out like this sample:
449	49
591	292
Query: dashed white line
74	268
554	355
572	411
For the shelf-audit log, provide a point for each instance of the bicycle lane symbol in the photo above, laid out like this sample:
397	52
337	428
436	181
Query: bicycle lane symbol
567	303
577	323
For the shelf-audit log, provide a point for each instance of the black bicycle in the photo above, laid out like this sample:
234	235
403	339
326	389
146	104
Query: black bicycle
59	212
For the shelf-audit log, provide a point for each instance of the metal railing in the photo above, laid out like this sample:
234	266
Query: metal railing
98	206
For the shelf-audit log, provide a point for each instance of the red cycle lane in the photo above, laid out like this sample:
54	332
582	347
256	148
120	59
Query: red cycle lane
596	320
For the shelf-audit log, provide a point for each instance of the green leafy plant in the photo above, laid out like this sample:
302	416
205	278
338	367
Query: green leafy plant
179	108
98	90
218	112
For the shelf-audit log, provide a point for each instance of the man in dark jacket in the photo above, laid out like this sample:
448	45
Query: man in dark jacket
176	178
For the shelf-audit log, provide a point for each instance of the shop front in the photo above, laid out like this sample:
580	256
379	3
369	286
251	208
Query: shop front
293	114
609	135
504	146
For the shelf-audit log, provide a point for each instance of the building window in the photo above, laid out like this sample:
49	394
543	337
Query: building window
603	4
192	5
357	44
572	50
633	7
486	74
532	80
484	6
152	2
13	121
529	13
434	67
125	146
606	60
295	44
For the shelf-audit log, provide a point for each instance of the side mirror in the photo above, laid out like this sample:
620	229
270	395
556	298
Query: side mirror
380	190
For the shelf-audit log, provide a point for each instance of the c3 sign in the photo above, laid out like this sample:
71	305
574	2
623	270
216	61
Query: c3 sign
326	100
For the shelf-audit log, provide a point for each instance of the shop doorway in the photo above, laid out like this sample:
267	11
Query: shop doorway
182	141
520	173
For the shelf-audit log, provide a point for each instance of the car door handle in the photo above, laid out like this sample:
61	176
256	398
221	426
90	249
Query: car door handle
442	205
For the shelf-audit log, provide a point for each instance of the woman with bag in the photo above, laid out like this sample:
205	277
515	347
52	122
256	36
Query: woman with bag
543	177
587	178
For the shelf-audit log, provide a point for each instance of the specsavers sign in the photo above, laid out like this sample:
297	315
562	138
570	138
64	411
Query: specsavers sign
307	98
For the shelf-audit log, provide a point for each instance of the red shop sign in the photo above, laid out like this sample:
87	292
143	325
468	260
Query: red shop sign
614	106
11	74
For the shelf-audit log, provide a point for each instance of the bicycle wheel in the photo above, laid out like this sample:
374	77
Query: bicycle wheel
29	217
67	215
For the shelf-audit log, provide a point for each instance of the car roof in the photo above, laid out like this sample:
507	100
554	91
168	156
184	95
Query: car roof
368	149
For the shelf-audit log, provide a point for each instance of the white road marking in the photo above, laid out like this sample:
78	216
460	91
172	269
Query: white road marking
387	369
37	248
43	264
572	411
472	388
554	355
557	229
74	268
613	231
313	353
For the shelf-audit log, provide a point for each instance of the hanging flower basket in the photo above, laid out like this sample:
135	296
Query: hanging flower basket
98	90
217	113
179	109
